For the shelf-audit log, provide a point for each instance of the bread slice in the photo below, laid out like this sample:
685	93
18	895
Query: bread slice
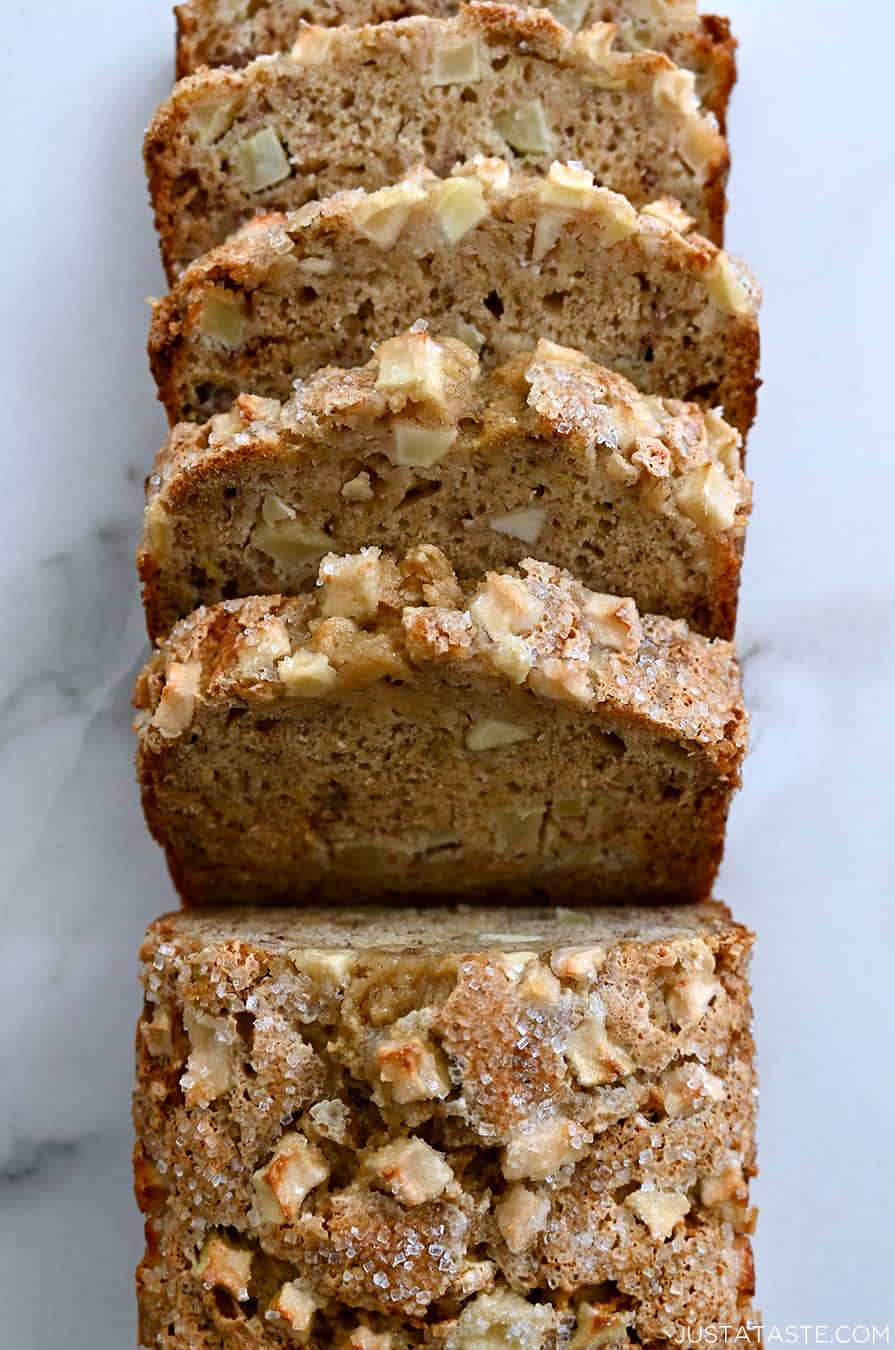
212	33
351	108
496	258
548	453
469	1128
383	737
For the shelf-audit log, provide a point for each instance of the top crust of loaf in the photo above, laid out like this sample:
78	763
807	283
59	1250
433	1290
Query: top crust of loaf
578	1088
371	618
207	125
653	240
437	930
209	34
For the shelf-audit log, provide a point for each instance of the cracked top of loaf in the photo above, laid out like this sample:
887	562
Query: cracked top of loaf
397	1128
372	618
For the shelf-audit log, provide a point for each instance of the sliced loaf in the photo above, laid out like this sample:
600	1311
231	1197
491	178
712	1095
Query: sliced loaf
548	453
221	33
384	736
498	259
354	108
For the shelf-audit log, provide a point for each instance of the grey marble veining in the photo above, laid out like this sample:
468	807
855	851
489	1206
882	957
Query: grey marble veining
810	855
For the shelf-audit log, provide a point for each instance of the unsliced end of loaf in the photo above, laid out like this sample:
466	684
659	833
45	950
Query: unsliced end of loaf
383	1131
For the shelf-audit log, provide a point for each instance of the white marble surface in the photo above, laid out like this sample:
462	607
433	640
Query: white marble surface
809	859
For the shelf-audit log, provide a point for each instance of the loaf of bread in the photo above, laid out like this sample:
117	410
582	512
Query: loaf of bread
497	259
219	33
378	1133
351	108
548	453
387	735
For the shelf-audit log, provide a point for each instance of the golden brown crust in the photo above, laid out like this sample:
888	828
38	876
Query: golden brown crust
397	1125
278	133
207	35
631	290
548	453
